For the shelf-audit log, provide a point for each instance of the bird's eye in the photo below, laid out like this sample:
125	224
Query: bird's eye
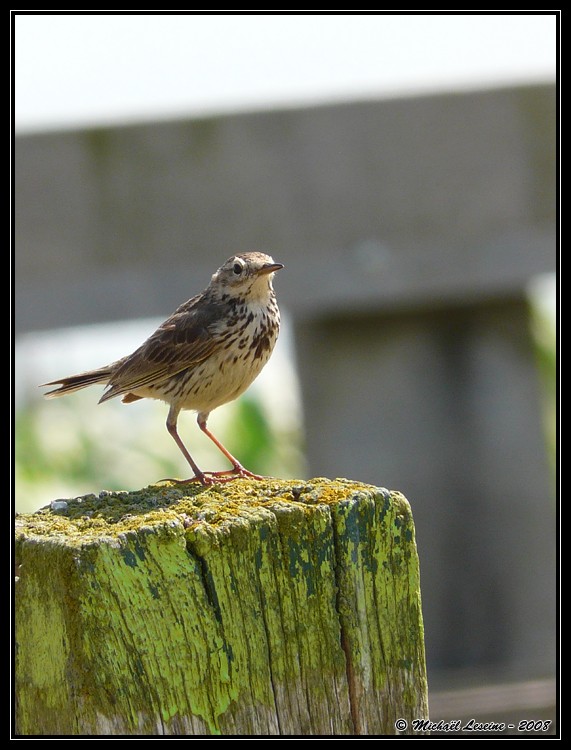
237	269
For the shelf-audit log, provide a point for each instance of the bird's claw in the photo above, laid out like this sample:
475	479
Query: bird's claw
208	478
238	472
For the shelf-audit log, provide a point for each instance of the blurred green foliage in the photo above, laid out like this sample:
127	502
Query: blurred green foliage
543	326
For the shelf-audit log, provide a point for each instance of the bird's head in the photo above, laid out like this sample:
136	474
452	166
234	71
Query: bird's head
246	275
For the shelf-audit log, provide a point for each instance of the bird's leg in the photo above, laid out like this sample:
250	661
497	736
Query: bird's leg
238	470
171	427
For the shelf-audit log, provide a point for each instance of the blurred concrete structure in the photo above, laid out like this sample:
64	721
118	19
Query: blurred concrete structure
409	229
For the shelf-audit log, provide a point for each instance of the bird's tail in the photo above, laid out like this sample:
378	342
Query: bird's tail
77	382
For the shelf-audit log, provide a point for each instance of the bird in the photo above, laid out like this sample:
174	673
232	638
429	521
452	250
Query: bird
206	354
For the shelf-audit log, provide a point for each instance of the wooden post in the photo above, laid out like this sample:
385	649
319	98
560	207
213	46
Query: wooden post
252	608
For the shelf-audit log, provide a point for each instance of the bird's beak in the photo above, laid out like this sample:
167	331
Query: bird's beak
270	268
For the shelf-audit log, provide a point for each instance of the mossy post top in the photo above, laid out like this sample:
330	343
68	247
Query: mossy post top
248	608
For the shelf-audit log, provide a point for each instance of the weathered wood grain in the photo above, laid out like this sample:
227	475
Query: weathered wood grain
252	608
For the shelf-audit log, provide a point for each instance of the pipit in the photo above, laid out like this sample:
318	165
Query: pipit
206	354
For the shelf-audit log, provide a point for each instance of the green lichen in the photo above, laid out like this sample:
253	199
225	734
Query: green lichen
272	606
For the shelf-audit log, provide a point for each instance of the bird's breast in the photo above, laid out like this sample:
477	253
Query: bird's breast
245	344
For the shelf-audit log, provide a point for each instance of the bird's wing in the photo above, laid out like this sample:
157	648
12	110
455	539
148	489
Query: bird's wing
188	337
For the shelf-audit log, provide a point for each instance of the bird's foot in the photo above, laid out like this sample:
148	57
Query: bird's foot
207	478
238	472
